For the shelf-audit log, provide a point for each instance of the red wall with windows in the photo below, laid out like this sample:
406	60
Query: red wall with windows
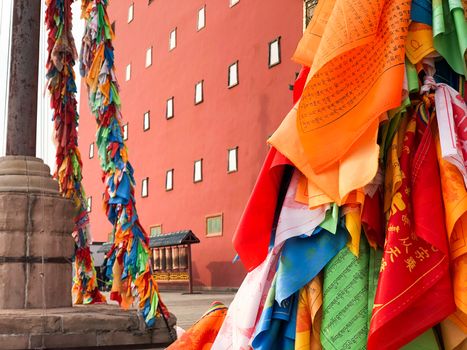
243	116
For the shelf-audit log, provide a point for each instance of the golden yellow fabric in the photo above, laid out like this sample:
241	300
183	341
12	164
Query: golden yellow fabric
309	314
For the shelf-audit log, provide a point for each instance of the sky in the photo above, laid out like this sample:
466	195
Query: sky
45	148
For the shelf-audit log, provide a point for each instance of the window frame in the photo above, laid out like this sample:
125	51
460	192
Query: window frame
131	10
172	180
202	92
175	39
147	116
232	3
236	160
143	182
198	161
89	204
278	40
91	150
215	234
228	75
125	132
203	9
128	72
154	226
150	52
172	100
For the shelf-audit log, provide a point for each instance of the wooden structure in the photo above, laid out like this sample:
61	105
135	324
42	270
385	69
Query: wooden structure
172	256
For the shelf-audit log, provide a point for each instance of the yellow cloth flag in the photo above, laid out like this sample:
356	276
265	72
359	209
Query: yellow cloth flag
353	223
419	42
309	314
92	78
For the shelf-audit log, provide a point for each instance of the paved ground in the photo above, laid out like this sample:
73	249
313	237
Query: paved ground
190	307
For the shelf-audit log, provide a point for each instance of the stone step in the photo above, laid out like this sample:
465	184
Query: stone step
84	327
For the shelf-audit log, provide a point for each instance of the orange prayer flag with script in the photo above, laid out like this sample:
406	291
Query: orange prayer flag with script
357	168
356	75
309	43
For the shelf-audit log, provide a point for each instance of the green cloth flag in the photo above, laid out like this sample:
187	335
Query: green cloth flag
330	220
348	292
450	33
412	76
426	341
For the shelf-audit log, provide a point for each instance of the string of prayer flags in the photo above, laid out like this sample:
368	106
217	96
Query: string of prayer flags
128	264
62	87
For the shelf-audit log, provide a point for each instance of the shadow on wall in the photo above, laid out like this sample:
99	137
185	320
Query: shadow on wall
226	275
197	284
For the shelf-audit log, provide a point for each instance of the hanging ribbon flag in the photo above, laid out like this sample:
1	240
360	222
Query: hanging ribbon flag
61	84
415	266
450	33
348	291
128	260
356	75
309	314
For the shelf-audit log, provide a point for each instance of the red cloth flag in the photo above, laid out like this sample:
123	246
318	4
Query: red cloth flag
414	290
252	237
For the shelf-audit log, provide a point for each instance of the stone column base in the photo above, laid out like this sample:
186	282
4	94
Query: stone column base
82	327
36	246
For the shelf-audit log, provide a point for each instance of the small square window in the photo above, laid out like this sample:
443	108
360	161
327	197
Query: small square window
145	187
199	92
146	121
131	12
274	52
91	150
169	108
198	171
125	132
173	39
214	225
149	57
155	230
89	204
201	18
233	75
169	180
234	2
232	160
128	72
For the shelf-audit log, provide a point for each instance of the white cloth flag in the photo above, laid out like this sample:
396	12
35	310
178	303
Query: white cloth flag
296	218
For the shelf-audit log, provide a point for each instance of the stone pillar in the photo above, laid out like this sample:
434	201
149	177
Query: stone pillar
24	68
36	246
